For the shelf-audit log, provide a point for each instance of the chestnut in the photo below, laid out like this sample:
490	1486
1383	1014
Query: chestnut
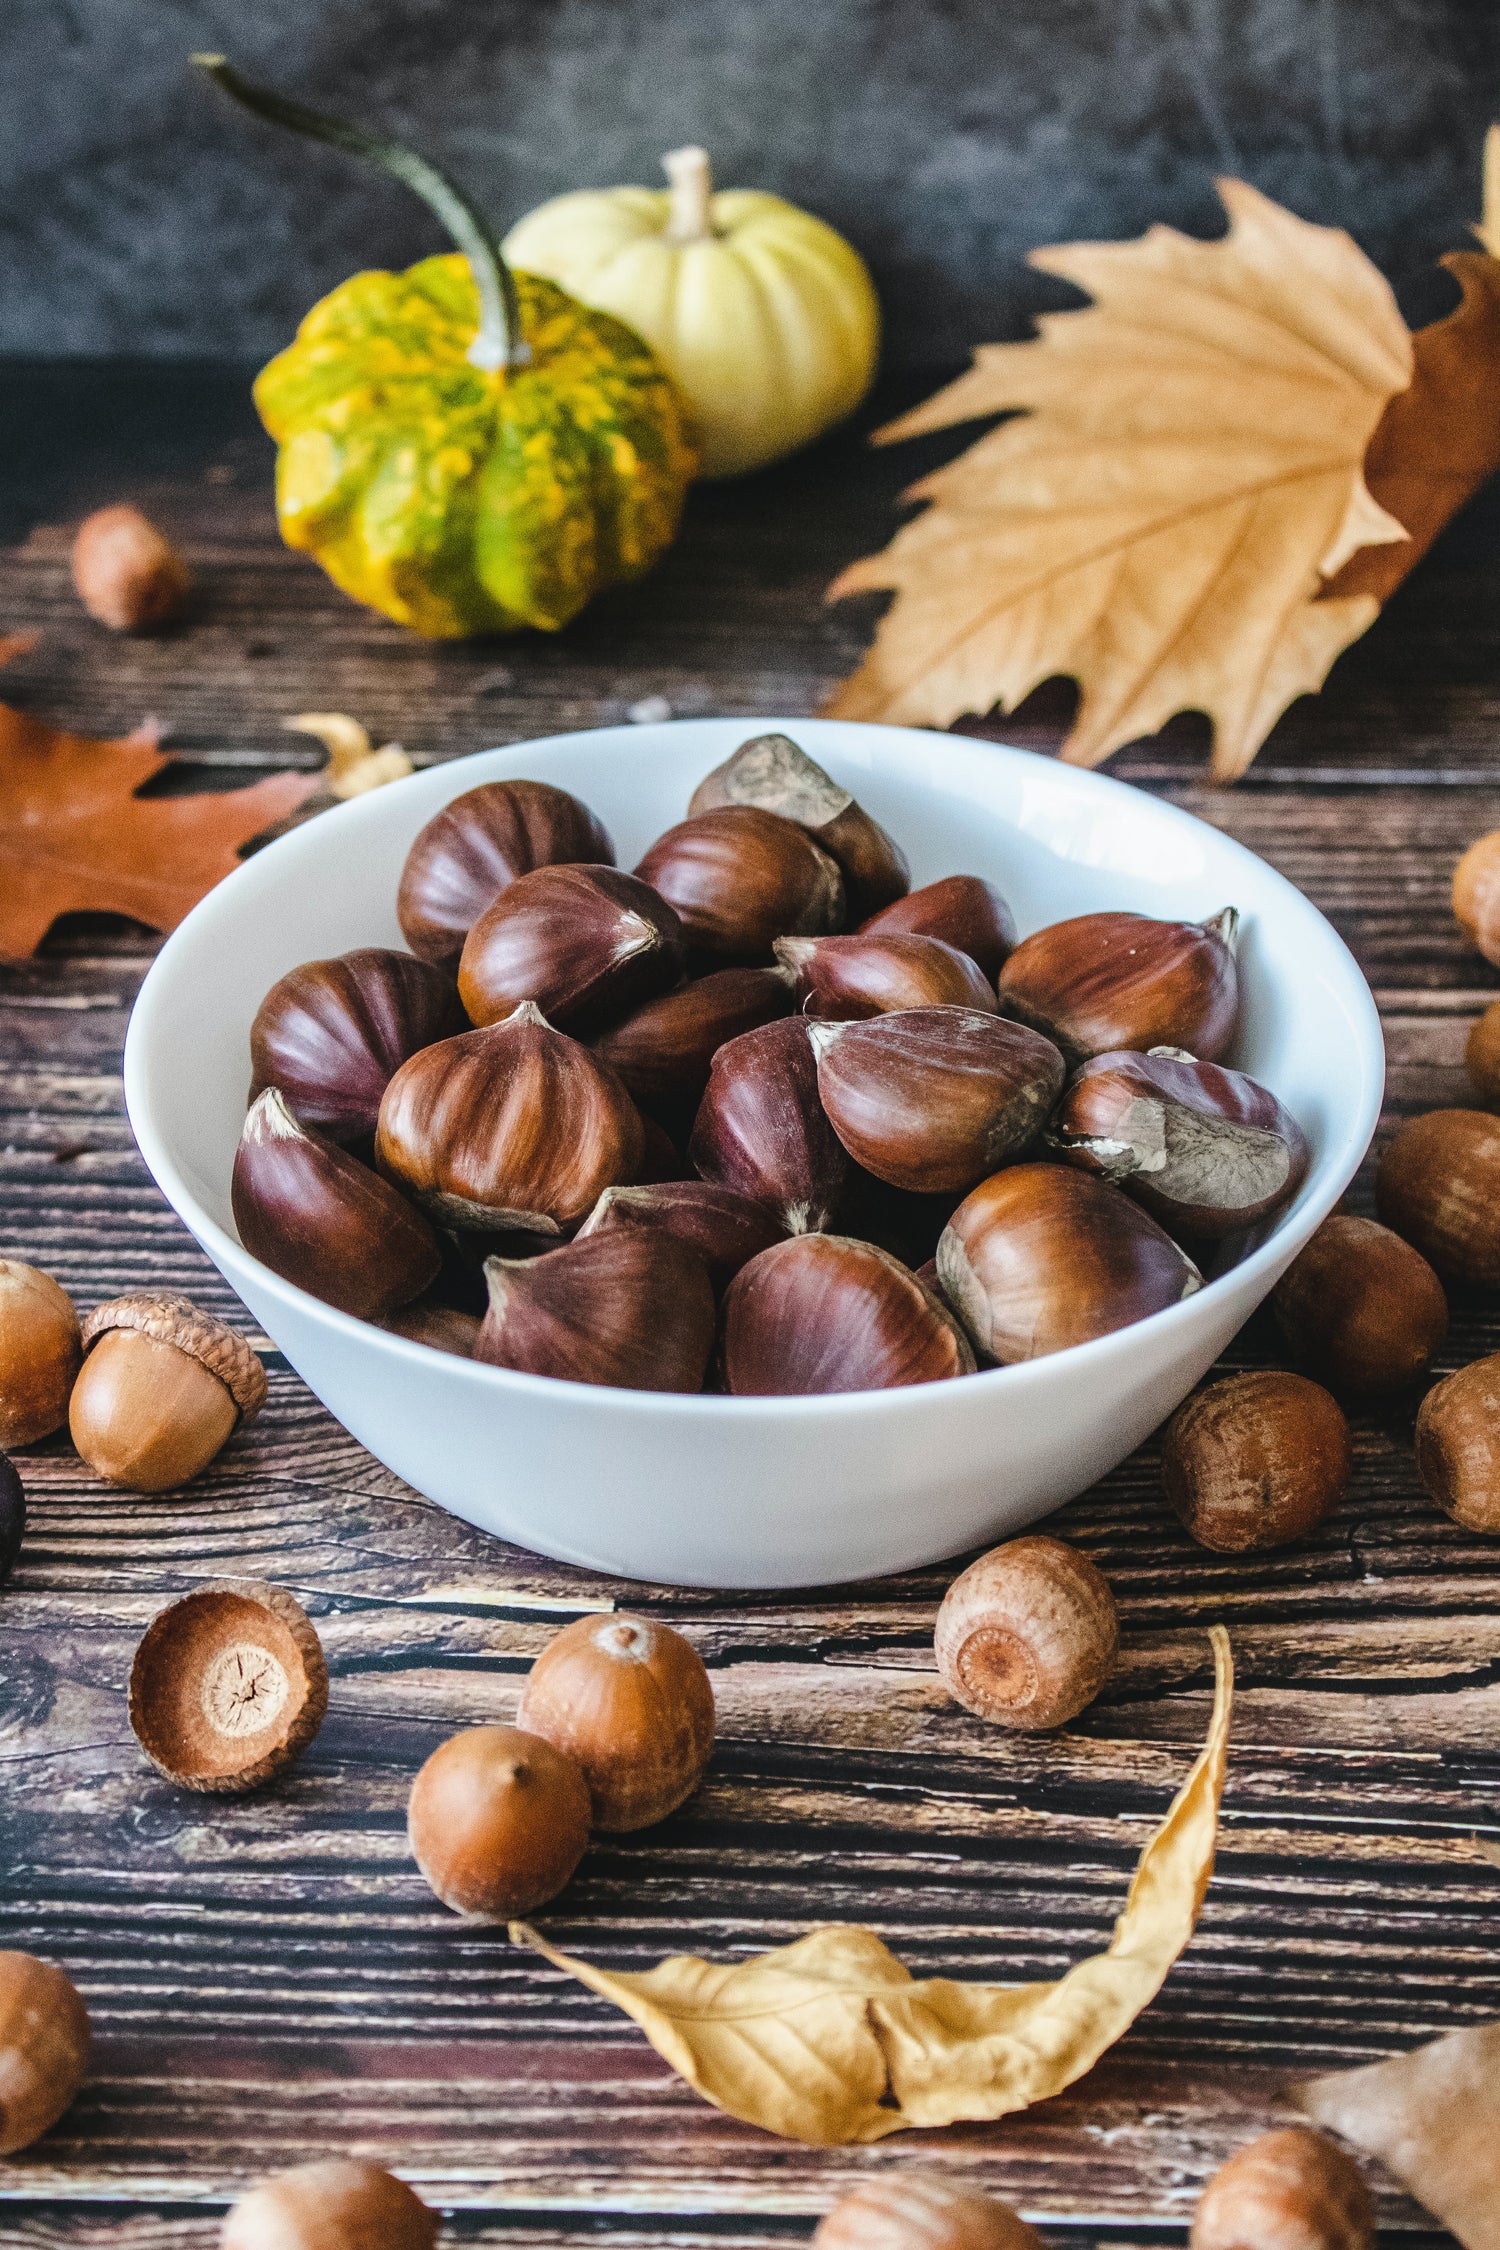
773	773
761	1127
443	1328
726	1229
1027	1635
664	1051
933	1099
631	1703
44	2048
1361	1309
317	1216
913	2211
1438	1185
40	1353
841	978
332	1034
963	910
1458	1444
1104	981
336	2203
1206	1150
1256	1460
1041	1257
630	1308
468	853
514	1125
1476	895
740	879
1289	2190
498	1820
820	1313
584	943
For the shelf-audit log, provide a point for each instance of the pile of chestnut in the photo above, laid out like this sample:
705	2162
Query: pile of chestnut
758	1117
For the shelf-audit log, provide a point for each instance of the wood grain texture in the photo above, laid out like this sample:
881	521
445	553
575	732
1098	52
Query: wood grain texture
270	1978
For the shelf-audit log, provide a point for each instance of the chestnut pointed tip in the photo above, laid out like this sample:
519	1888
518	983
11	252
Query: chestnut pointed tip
528	1012
794	953
269	1119
823	1034
1225	924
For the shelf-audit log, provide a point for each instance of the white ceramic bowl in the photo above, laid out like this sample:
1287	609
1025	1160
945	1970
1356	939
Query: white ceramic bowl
756	1492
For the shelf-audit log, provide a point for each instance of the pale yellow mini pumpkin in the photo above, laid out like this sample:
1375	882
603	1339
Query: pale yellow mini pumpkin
765	318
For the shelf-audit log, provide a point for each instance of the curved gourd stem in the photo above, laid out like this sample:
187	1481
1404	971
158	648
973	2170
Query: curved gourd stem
691	183
499	341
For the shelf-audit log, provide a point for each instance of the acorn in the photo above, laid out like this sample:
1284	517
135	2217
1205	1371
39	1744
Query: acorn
586	944
127	572
1027	1635
1438	1185
1289	2190
726	1229
629	1308
1256	1460
1361	1309
771	771
1041	1257
912	2211
336	2203
1105	981
963	910
1482	1055
740	879
468	853
332	1034
44	2048
761	1127
162	1389
41	1350
664	1050
631	1703
842	978
820	1313
1476	895
933	1099
498	1820
1458	1444
513	1125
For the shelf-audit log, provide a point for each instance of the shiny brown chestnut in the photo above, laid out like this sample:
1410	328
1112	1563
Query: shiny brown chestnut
1105	981
1361	1309
585	944
514	1125
1206	1150
1042	1257
317	1216
821	1312
771	771
740	879
727	1229
629	1308
469	852
664	1051
332	1034
761	1127
933	1099
840	979
963	910
442	1328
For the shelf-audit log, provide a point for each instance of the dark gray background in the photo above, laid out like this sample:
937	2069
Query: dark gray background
139	213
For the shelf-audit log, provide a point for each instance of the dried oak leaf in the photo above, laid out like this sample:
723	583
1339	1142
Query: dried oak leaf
831	2040
1433	2118
1169	516
74	835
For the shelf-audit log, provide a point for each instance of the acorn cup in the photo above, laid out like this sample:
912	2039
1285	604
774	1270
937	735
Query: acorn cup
770	771
331	1035
585	944
477	846
1106	981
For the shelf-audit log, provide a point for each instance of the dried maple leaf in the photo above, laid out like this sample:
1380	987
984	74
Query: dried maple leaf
831	2040
1185	483
74	835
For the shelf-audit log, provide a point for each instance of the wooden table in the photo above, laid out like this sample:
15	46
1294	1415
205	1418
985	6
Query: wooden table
271	1978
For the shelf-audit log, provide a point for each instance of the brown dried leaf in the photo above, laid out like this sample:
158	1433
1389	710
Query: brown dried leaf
1433	2118
831	2040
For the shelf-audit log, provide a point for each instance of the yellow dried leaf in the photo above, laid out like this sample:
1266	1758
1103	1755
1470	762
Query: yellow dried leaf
1433	2118
354	766
831	2040
1158	521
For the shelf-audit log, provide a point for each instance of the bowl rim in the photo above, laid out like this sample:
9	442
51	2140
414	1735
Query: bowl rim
435	786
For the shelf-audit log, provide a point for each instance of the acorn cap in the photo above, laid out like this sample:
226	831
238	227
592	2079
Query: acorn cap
228	1686
175	1320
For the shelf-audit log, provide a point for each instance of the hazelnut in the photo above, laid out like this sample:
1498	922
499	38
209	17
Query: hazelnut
44	2048
726	1229
1291	2190
128	574
40	1353
332	1034
962	910
762	1129
1482	1054
843	978
631	1703
338	2203
1106	981
586	944
1476	895
909	2211
12	1516
820	1313
628	1308
1361	1309
1256	1460
1027	1635
163	1387
498	1820
664	1052
470	851
1458	1444
1438	1185
740	879
775	774
228	1686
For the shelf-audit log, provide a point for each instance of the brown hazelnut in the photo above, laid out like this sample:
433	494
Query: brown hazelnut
1040	1257
12	1516
228	1687
631	1309
1360	1308
1256	1460
1482	1054
1027	1635
631	1703
40	1353
128	574
44	2048
726	1229
870	974
1290	2190
964	911
762	1129
740	879
480	842
584	943
772	772
665	1050
1106	981
444	1328
1438	1185
1458	1444
1476	895
820	1313
163	1387
337	2203
498	1821
332	1034
909	2211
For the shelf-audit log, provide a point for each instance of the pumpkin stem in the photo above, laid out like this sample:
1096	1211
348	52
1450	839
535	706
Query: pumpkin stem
691	182
499	341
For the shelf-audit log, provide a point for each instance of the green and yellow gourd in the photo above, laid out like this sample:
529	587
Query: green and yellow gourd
465	448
